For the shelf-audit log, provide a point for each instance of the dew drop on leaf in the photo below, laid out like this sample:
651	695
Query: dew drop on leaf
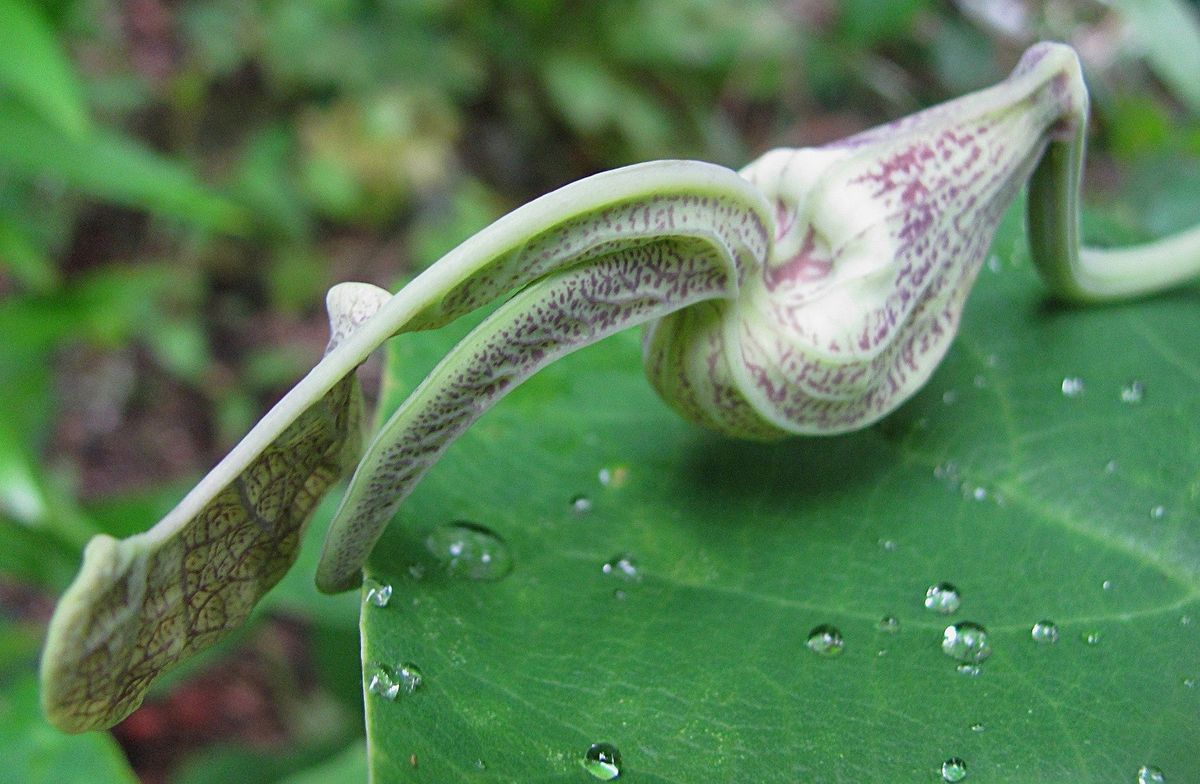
623	566
970	670
1148	774
943	598
889	624
1072	386
375	593
381	681
470	550
408	677
967	642
581	505
1091	638
954	769
977	727
614	476
1133	392
1044	632
825	640
1158	512
603	761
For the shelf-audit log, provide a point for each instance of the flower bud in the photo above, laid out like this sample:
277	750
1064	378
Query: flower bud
878	239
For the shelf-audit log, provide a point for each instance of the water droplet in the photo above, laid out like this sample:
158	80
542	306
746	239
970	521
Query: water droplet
614	476
1185	620
967	642
992	360
619	595
1189	683
889	545
979	493
480	765
954	769
947	471
950	397
825	640
943	598
1091	638
603	761
993	263
376	593
1107	585
1044	632
881	652
971	670
382	682
1110	467
470	550
1072	386
581	505
1133	392
977	727
409	677
889	624
1148	774
1158	512
623	566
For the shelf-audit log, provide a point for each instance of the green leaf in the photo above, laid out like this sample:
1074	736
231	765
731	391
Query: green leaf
1029	500
109	166
34	68
1168	34
36	753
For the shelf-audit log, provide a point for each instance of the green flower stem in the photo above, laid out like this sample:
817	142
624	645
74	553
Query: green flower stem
1092	275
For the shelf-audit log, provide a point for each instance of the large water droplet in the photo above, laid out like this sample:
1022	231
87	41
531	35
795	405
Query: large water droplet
623	566
889	624
603	761
1148	774
470	550
1044	632
954	769
381	681
1072	386
967	642
889	545
825	640
376	593
943	598
1133	392
581	505
1158	512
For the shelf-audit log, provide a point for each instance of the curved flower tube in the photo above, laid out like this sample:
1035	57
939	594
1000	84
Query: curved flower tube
811	293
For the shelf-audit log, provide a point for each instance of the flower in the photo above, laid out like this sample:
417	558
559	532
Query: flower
878	240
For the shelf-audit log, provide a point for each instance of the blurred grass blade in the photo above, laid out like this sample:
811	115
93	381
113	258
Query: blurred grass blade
107	166
34	68
23	260
1167	33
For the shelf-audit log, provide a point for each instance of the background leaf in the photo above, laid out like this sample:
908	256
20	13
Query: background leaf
1082	509
33	67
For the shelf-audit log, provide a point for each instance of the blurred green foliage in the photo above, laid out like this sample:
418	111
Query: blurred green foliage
181	181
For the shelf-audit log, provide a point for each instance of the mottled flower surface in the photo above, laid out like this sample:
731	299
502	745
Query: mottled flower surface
878	239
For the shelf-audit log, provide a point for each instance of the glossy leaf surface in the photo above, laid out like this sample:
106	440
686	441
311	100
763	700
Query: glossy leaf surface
1082	508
